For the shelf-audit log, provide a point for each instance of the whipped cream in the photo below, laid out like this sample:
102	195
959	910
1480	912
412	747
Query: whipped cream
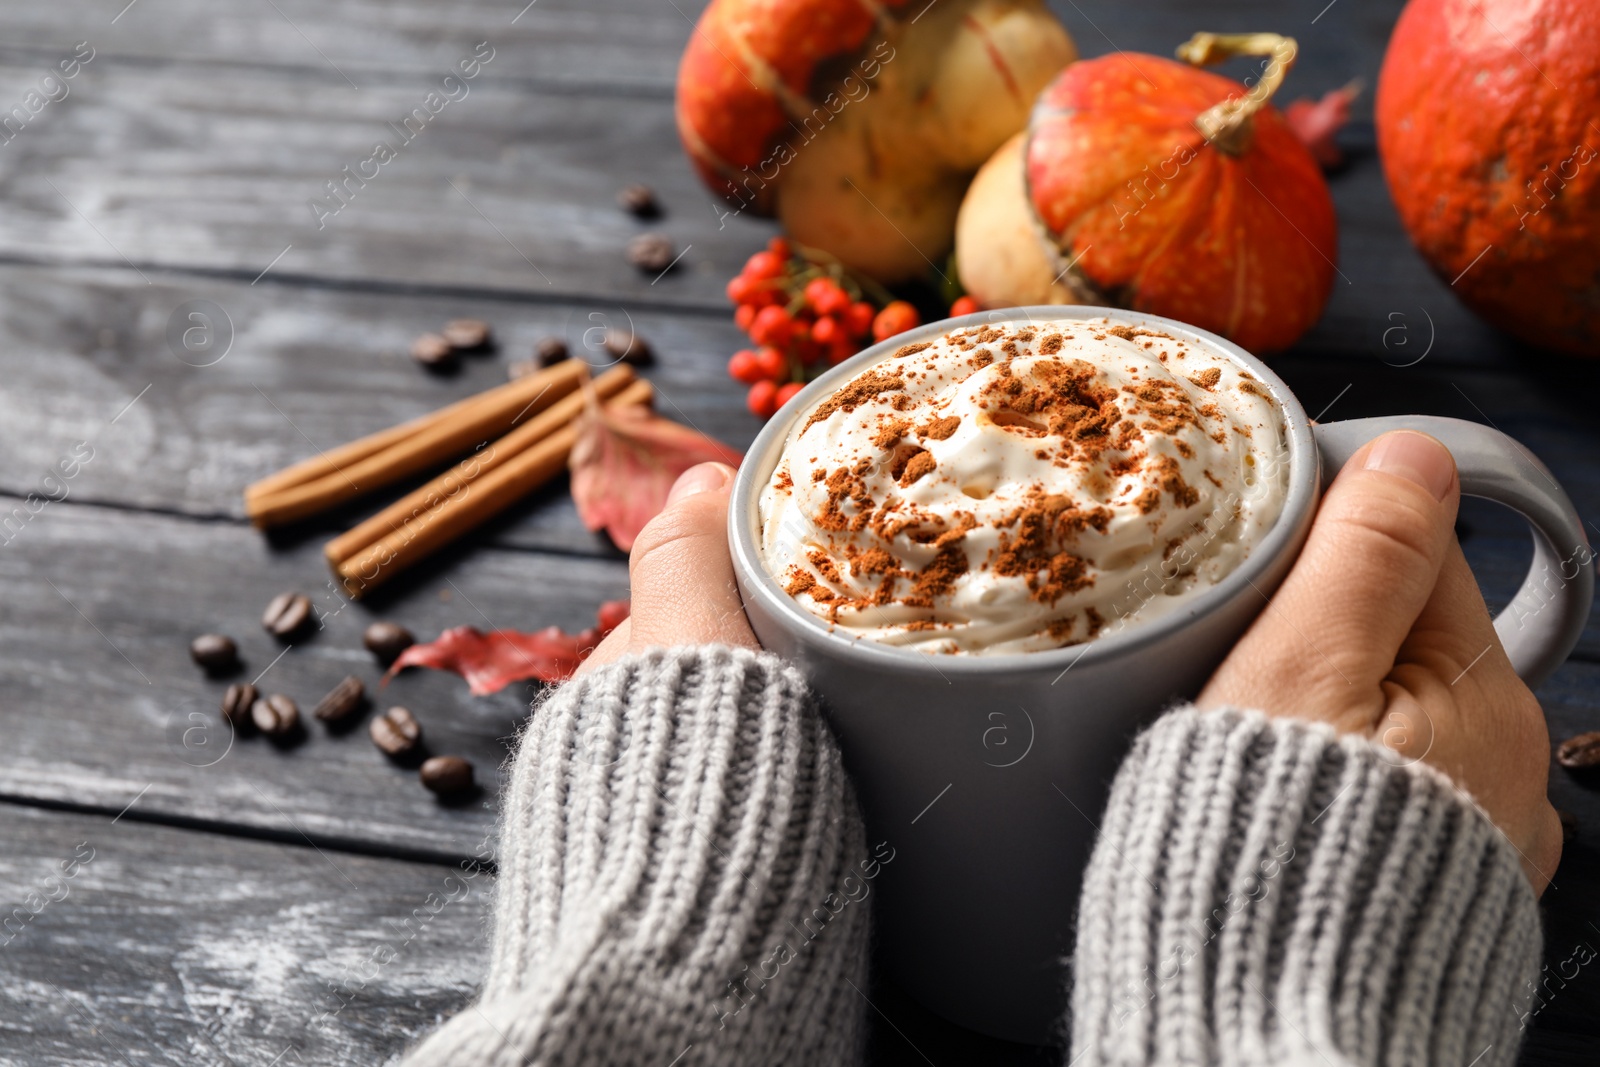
1023	486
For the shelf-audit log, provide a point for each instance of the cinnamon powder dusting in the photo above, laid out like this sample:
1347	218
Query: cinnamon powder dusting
1096	621
869	386
824	564
1050	575
1170	478
938	577
800	581
901	459
1060	398
846	485
889	432
1037	551
916	467
873	561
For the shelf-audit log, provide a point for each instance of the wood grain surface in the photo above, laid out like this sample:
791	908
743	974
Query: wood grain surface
294	368
621	47
238	889
98	653
307	368
134	944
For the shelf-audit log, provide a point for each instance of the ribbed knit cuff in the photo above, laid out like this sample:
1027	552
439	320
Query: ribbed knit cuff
1265	891
683	873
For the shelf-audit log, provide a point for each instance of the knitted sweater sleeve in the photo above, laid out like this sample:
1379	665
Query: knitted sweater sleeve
683	878
1265	891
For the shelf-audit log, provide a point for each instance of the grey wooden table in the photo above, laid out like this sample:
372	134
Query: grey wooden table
173	895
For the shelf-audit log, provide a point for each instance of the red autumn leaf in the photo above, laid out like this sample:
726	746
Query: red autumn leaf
624	462
491	661
1316	121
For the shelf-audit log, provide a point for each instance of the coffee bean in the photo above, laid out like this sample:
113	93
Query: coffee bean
397	733
628	347
446	775
236	703
639	201
387	640
550	351
651	253
342	701
215	653
1580	753
287	616
465	335
275	715
433	352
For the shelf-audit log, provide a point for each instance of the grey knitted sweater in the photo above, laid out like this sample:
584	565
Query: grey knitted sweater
1263	892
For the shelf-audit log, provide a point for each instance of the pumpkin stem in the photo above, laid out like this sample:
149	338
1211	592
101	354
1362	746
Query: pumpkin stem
1229	125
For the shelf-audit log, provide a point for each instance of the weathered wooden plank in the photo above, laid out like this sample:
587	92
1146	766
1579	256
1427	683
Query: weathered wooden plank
310	368
613	44
164	946
501	188
126	943
103	704
622	45
1569	999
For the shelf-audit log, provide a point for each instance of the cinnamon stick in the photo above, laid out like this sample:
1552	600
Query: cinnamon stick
483	497
391	455
458	478
332	460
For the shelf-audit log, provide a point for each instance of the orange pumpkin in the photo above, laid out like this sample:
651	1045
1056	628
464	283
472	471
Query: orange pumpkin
1486	125
860	122
1152	185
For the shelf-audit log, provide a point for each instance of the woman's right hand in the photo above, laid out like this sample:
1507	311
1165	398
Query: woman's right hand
680	575
1381	631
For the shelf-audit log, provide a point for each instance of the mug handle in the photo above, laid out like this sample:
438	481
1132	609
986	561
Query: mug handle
1545	619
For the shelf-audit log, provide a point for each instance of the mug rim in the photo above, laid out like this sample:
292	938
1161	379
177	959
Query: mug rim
762	458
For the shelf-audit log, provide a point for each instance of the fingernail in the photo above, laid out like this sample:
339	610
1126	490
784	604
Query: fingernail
1415	457
701	479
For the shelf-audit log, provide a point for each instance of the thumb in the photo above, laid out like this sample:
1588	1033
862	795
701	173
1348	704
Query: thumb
681	571
1367	570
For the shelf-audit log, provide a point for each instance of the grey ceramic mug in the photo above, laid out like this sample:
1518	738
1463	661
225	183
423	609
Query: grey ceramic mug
987	774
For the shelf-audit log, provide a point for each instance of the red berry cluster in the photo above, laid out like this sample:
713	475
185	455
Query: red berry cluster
805	314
